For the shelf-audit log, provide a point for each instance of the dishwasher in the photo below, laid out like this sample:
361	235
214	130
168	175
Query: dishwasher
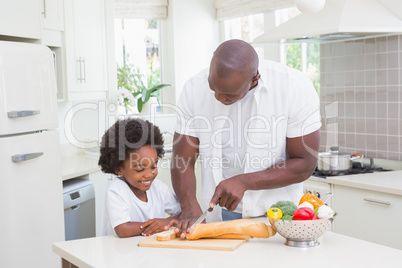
79	209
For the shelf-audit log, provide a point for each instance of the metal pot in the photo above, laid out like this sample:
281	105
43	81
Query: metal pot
334	162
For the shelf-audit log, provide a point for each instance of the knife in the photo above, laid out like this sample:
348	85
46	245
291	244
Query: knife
202	217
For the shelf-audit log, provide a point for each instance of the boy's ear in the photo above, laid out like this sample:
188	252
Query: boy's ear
118	172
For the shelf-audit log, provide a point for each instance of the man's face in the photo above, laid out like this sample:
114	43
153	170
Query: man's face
230	89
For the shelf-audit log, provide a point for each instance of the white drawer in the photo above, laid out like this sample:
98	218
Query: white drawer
368	215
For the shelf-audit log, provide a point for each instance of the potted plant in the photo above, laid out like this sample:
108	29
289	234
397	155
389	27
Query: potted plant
131	86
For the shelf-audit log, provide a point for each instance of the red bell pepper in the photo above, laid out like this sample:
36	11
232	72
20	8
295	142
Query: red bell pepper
303	213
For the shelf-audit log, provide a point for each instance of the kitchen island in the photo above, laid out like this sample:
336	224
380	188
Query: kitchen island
335	250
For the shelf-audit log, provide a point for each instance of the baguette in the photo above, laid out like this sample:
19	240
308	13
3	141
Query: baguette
232	236
236	229
166	235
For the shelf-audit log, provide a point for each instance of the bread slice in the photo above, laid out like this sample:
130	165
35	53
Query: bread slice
166	235
236	229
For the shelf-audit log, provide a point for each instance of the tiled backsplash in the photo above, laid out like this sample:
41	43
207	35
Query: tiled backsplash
361	96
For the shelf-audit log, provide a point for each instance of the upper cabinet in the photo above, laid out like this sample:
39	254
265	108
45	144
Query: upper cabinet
52	14
81	35
20	18
86	50
43	20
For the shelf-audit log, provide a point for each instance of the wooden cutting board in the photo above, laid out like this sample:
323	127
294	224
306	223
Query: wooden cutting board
211	244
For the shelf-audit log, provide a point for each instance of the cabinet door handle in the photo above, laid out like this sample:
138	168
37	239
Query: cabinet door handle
85	74
44	9
24	113
80	69
25	157
377	201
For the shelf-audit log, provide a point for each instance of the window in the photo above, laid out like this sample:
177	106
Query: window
137	45
245	28
305	57
301	56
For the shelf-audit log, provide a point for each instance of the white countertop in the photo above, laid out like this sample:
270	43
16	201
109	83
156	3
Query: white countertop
335	250
387	182
78	164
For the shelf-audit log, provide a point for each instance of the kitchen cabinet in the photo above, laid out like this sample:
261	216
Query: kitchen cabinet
52	21
369	215
52	15
100	181
86	49
20	18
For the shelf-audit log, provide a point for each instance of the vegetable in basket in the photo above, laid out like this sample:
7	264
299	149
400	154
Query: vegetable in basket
287	217
304	213
312	199
306	204
287	207
324	212
274	213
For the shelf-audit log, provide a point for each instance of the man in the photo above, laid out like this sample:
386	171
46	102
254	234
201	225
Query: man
256	130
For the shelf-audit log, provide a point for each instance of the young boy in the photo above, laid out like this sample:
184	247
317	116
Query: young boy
136	202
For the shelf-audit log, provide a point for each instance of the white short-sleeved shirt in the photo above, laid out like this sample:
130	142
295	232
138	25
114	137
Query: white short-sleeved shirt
122	205
283	105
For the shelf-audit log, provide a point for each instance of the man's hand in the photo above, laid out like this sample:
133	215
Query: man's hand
185	221
229	193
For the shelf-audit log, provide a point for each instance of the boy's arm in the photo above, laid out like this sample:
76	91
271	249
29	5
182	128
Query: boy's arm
153	226
129	229
146	228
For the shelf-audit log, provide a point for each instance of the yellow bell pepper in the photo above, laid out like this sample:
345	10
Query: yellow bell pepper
275	213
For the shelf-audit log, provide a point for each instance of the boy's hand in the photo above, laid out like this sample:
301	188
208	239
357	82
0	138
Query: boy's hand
153	226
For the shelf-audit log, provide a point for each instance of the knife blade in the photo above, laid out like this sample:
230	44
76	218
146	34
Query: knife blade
202	217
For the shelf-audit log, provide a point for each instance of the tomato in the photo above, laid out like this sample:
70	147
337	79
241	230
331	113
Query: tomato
303	213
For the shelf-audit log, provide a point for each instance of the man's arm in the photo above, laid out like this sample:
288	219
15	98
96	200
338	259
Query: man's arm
185	153
302	161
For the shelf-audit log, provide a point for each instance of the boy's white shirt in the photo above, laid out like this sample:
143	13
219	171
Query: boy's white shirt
122	205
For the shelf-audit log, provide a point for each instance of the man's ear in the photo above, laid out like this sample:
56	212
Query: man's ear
256	78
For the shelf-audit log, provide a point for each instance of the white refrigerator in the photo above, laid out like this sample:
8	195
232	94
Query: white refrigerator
31	194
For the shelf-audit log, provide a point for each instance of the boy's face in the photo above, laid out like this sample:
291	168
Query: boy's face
140	169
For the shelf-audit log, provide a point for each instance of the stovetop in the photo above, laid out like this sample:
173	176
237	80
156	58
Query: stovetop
356	169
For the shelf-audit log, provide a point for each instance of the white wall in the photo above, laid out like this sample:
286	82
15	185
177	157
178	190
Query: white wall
192	34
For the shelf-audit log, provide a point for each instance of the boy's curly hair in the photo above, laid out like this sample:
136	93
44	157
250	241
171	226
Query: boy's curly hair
124	137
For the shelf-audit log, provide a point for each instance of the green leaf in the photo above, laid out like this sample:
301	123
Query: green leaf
139	104
158	87
146	94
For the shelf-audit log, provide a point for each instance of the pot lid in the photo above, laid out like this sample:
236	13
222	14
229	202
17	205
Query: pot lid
334	151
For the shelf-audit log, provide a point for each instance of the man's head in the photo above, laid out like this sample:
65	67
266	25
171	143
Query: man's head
233	71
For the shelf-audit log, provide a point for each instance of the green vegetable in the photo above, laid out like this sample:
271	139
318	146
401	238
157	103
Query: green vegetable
316	210
287	217
287	207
